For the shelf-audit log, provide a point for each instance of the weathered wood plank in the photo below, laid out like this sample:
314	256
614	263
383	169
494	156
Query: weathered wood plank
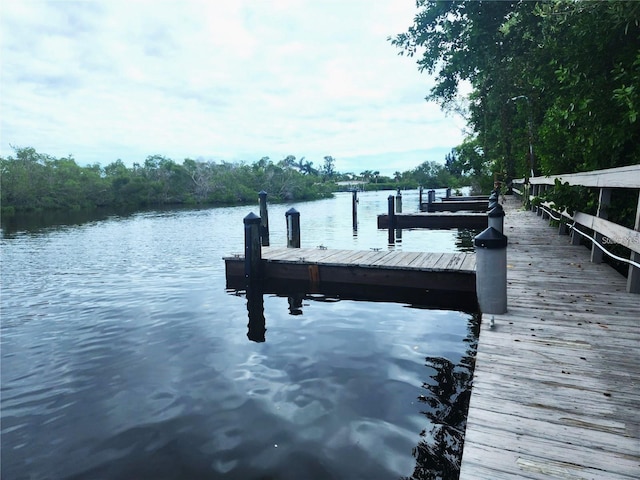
619	177
556	381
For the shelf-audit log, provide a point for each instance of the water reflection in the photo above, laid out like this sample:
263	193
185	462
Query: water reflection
255	307
297	293
439	454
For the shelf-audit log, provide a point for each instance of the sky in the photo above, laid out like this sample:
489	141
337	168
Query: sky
218	80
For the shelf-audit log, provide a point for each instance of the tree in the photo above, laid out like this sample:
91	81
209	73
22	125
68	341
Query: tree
576	63
328	168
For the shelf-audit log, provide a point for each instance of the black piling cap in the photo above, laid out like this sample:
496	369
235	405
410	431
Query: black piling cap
262	193
496	211
251	218
291	211
491	239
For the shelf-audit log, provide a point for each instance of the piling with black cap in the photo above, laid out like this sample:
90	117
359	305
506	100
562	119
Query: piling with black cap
391	212
399	202
491	271
293	228
431	197
354	209
264	218
493	200
252	249
496	218
448	192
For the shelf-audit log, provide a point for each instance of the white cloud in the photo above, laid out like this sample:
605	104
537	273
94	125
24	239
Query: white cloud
215	79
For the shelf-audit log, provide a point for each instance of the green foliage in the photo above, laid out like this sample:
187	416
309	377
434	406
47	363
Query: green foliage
572	198
34	181
559	78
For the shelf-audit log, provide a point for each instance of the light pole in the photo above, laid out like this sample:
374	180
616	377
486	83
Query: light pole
530	127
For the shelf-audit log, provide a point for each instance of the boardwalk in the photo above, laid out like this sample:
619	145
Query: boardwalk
556	391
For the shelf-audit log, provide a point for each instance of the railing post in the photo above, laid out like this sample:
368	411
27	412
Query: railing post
264	218
603	206
491	271
293	228
633	279
252	250
576	238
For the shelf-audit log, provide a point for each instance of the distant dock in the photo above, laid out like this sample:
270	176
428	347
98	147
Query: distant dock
442	220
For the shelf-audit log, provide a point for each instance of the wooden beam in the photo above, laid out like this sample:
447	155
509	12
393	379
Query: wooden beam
620	177
436	220
615	233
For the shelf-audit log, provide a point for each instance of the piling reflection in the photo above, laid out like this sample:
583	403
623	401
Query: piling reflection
295	304
439	454
255	307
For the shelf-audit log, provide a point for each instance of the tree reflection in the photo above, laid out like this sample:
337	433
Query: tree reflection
439	454
464	239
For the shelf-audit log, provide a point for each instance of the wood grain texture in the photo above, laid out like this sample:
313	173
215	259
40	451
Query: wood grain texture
556	389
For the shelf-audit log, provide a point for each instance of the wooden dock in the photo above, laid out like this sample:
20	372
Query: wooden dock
436	220
456	206
454	272
556	388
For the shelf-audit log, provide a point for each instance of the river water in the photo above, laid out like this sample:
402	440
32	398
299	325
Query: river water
123	355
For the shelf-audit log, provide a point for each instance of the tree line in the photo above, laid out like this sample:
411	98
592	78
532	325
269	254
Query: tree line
37	181
33	181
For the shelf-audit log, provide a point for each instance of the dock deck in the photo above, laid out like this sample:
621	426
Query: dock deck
425	270
556	388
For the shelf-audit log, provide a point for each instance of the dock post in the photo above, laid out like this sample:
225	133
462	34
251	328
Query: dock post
448	192
399	202
431	196
420	189
491	271
264	218
496	218
354	209
603	205
391	211
293	228
633	278
252	249
493	200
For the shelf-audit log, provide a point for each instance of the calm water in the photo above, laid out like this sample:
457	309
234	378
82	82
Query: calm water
124	356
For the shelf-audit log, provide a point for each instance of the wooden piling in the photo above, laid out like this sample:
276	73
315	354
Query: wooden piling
293	228
354	209
264	218
252	249
399	202
391	211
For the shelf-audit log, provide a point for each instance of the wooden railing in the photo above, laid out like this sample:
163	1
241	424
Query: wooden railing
604	232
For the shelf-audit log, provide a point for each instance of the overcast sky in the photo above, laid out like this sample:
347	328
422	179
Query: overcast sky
218	80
